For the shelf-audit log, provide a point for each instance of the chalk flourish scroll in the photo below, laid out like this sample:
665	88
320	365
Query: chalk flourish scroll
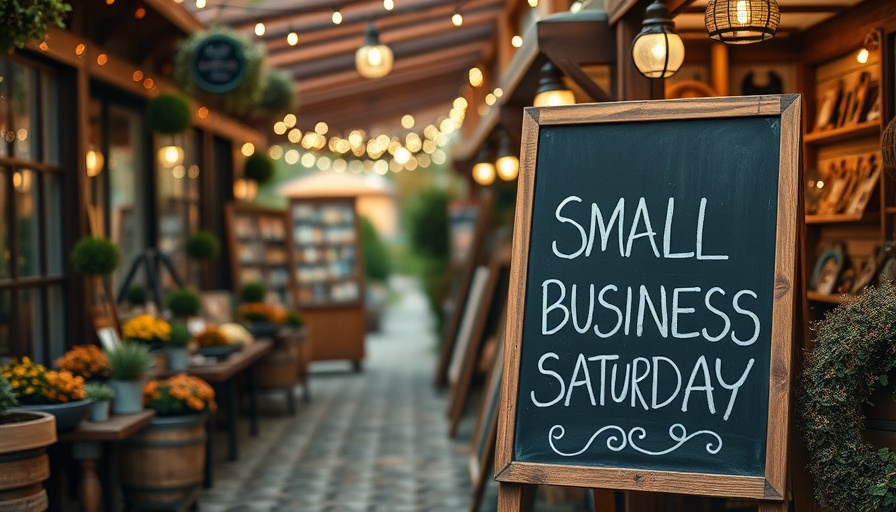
618	439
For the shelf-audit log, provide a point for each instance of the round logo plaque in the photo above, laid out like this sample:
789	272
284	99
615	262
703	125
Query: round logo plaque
219	64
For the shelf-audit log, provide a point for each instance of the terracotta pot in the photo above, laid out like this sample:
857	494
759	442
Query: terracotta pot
24	465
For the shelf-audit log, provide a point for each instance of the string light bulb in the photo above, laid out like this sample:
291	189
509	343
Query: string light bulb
337	17
388	5
292	38
259	29
457	19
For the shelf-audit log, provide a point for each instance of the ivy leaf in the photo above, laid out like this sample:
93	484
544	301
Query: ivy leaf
879	489
883	380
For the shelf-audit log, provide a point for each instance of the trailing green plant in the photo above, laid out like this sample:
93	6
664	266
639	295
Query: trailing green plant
129	361
241	100
184	302
278	96
136	295
168	114
180	335
23	21
376	255
95	255
253	292
429	224
99	391
854	352
202	246
7	396
258	167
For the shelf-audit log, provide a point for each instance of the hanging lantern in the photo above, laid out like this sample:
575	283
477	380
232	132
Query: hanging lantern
507	164
374	59
484	169
657	50
742	21
551	90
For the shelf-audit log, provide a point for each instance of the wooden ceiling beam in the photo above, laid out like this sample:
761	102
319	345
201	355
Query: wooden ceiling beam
427	47
353	13
225	12
456	60
389	28
350	43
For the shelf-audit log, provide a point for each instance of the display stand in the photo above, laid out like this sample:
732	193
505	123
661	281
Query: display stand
462	288
259	243
327	267
488	319
151	260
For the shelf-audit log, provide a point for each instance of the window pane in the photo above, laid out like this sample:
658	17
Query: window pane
52	200
26	185
50	123
4	107
125	178
5	324
23	108
30	324
56	321
4	225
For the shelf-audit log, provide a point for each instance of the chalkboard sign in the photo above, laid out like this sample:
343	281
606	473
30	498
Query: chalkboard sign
652	297
219	64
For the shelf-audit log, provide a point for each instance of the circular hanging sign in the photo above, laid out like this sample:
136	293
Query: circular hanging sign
219	64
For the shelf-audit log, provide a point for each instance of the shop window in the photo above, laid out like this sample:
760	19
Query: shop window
179	204
117	190
32	306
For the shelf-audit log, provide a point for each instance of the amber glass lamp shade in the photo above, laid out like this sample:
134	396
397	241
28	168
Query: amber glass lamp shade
657	50
374	59
551	90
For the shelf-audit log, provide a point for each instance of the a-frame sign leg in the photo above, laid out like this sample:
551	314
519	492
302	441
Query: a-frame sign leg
604	500
777	506
515	497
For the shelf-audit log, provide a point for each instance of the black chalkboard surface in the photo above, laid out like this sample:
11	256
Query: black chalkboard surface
654	261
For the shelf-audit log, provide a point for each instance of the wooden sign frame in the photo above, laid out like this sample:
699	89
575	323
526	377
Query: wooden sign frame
515	476
482	447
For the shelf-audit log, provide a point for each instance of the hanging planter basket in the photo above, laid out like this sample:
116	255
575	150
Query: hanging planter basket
168	114
278	97
23	22
222	68
259	167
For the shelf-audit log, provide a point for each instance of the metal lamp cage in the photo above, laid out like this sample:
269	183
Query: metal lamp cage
742	21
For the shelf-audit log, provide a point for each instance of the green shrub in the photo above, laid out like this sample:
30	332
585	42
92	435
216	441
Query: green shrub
136	295
99	391
95	256
294	319
253	292
7	396
180	335
376	255
429	224
184	302
258	167
279	94
168	114
129	361
203	245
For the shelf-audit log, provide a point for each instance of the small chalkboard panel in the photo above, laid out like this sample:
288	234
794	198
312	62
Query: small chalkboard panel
653	272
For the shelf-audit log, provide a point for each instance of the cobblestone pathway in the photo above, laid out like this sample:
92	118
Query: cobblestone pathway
370	441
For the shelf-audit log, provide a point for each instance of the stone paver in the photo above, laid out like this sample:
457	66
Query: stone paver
367	442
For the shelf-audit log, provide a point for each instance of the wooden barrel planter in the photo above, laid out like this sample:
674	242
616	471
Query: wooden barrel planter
24	465
161	467
287	363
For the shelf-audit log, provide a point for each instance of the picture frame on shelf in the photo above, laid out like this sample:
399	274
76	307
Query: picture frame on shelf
868	174
830	98
827	269
869	270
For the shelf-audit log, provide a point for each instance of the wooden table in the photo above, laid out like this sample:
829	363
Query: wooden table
222	374
86	447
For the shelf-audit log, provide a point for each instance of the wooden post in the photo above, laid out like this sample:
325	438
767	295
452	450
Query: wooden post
604	500
515	497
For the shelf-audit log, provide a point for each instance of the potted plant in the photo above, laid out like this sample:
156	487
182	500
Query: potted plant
32	19
253	291
86	361
287	363
258	167
40	389
161	466
178	356
184	303
147	330
102	395
24	437
128	366
96	257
